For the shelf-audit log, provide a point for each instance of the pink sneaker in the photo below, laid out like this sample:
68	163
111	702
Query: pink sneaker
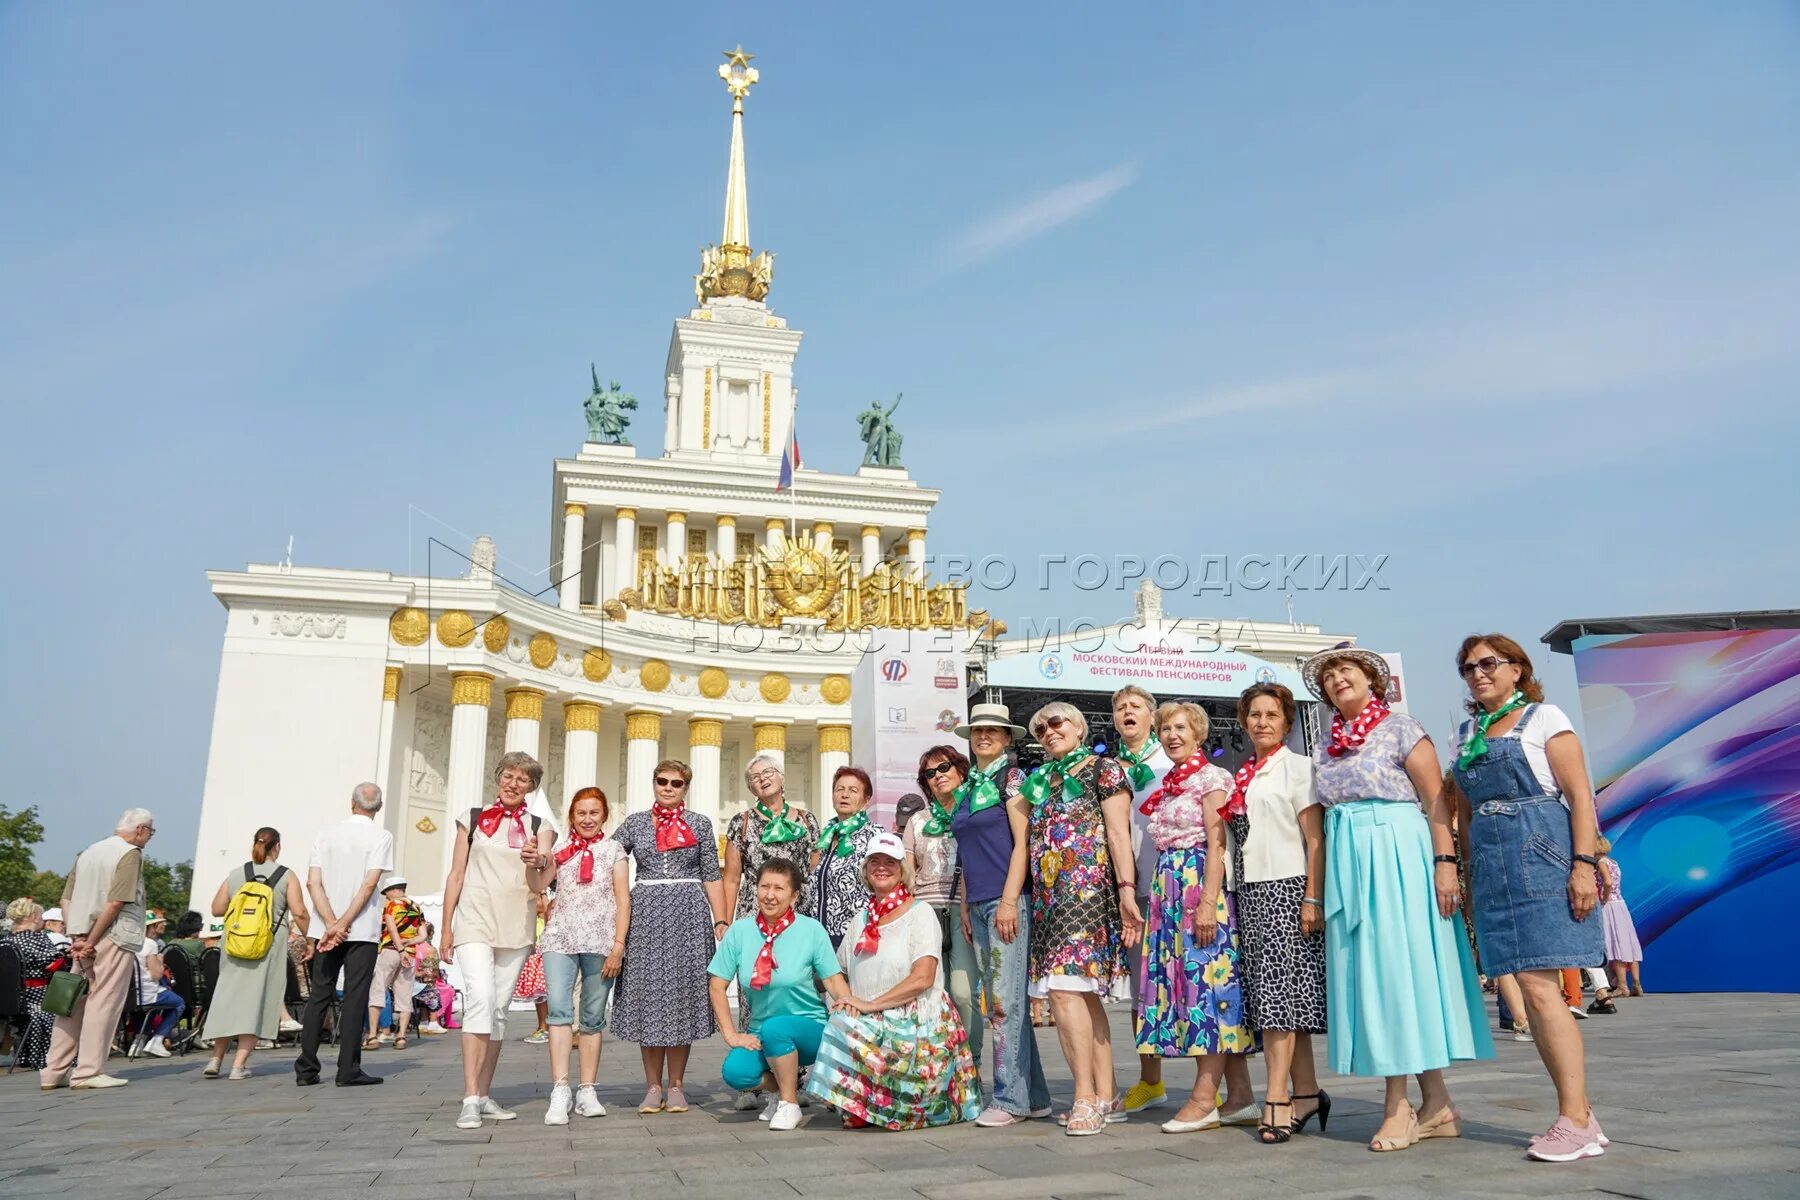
1566	1141
997	1118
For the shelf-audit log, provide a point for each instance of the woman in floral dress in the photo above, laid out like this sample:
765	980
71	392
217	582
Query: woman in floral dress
1190	986
1082	909
895	1054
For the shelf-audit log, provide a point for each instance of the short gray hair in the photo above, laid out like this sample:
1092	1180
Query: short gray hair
365	798
519	760
1132	689
134	818
764	758
1058	708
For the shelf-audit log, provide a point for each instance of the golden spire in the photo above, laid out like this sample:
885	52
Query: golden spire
729	269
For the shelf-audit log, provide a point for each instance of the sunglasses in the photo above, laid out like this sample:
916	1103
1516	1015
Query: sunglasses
943	768
677	782
1049	723
1483	666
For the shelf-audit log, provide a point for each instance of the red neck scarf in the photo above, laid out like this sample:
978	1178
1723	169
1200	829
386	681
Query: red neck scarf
490	819
765	958
1344	740
1241	783
672	829
1172	781
871	934
585	848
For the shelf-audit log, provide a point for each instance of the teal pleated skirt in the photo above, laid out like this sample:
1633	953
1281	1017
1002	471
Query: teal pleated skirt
1401	994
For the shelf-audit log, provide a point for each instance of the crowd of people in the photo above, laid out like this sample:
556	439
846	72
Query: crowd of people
888	974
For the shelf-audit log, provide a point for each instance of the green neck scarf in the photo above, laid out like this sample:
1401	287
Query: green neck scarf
1477	744
1140	771
780	828
1056	777
836	838
981	790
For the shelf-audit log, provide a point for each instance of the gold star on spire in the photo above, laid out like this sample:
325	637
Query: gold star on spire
738	58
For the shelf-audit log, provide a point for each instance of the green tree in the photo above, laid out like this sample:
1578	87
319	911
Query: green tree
20	833
46	887
167	886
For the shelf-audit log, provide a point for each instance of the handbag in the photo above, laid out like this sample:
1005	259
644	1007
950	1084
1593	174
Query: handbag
64	992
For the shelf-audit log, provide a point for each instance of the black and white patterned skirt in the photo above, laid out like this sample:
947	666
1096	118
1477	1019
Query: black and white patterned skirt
1284	970
661	997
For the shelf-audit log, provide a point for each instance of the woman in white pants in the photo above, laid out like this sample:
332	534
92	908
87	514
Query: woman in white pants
490	923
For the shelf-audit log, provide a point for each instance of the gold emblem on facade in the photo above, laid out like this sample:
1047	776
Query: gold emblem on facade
409	626
425	825
456	629
494	634
542	650
835	689
596	665
654	675
775	687
714	682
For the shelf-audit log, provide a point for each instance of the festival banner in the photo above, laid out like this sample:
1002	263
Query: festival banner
909	693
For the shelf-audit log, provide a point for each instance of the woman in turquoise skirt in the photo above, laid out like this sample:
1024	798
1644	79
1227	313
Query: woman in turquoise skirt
1400	988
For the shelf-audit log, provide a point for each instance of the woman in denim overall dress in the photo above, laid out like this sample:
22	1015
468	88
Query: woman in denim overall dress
1529	837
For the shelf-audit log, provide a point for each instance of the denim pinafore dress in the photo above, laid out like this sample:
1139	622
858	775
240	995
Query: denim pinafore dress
1522	852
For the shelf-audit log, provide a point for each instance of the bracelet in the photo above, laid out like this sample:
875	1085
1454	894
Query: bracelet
1007	903
727	924
1312	900
1589	859
1132	885
1446	858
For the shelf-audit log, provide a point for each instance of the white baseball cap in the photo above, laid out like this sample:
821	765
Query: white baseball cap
53	914
888	844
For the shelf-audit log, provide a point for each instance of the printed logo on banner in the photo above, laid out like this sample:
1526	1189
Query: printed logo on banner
945	677
896	715
1050	666
1265	674
894	670
947	721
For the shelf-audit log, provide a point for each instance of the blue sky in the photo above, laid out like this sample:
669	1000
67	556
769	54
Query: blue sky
1507	294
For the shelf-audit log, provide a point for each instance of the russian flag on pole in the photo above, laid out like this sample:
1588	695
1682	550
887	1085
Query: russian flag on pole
790	462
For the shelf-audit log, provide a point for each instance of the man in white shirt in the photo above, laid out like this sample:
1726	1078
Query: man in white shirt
348	861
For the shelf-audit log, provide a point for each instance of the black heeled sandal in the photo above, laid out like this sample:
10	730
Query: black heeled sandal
1269	1132
1323	1111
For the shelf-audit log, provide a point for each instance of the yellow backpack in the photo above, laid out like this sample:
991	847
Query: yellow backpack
249	923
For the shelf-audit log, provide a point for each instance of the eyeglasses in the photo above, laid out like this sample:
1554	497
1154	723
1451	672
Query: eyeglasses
1484	666
516	777
943	768
677	782
765	776
1051	724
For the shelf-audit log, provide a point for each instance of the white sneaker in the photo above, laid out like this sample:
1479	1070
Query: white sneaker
560	1099
1575	1011
98	1081
787	1116
157	1048
494	1112
747	1101
470	1116
587	1104
289	1025
768	1112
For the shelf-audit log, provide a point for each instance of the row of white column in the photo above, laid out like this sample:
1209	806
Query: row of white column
724	546
471	698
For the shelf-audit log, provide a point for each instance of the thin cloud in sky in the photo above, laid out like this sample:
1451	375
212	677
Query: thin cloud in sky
1035	217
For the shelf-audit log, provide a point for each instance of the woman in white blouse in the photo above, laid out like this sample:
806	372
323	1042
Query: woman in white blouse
1280	832
894	1054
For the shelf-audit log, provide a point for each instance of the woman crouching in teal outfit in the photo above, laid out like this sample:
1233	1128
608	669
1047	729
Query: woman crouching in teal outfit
1401	994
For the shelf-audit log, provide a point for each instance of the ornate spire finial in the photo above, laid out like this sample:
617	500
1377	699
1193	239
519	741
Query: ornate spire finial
729	269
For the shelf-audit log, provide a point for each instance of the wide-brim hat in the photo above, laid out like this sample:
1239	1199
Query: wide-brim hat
990	716
154	916
1368	660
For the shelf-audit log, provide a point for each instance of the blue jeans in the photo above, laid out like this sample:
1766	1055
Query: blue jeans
559	984
962	977
166	1013
1019	1086
781	1036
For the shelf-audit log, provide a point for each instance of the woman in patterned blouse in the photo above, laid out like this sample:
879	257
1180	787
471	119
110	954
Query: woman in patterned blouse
837	889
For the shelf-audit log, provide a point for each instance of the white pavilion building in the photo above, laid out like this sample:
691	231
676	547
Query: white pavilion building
687	622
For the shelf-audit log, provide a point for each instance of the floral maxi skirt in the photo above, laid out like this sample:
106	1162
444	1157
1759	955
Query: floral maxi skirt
1190	997
903	1068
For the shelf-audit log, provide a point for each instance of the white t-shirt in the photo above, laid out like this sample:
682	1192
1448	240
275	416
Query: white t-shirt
1278	794
1143	846
1545	722
904	941
148	985
345	853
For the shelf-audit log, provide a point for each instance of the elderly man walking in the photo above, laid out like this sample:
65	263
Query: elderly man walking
349	860
103	908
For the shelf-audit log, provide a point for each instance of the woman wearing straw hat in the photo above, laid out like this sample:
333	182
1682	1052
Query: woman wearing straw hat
991	821
1400	988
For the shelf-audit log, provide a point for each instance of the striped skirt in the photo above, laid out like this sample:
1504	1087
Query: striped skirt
902	1068
1401	994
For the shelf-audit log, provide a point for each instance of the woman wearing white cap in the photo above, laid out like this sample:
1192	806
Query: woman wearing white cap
1400	991
894	1053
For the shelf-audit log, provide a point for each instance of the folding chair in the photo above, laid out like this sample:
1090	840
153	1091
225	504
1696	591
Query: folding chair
12	996
135	1007
181	982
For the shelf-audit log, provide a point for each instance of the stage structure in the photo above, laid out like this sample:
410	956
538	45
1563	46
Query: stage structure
697	611
1692	727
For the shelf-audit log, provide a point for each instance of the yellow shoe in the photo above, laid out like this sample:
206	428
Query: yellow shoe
1143	1095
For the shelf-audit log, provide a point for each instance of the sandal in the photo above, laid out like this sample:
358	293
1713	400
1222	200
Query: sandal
1085	1119
372	1044
399	1043
1447	1124
1269	1132
1323	1111
1408	1139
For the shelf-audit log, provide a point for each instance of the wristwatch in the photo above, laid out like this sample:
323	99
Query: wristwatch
1589	859
1447	858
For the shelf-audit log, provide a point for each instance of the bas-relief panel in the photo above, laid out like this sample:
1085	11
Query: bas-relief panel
553	767
428	756
496	749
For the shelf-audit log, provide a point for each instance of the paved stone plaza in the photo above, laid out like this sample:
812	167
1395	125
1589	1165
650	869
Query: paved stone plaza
1700	1095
